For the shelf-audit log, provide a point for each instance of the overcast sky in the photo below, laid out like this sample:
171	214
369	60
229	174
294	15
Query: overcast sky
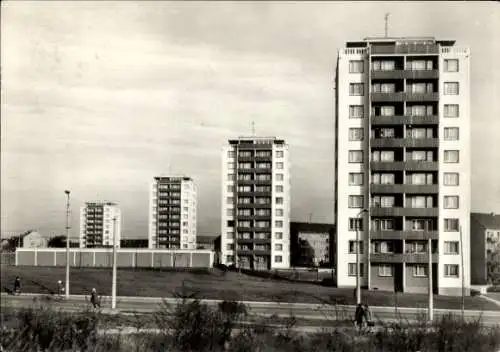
99	97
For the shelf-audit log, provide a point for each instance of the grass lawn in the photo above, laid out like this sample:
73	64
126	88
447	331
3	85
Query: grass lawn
214	285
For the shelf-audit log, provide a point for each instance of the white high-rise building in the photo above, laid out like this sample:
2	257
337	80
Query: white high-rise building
97	224
403	163
255	231
172	213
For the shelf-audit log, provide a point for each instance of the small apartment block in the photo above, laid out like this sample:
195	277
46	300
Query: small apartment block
255	204
172	216
99	223
485	248
402	163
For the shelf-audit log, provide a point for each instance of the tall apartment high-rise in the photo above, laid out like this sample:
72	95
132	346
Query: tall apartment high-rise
172	213
97	226
402	163
255	217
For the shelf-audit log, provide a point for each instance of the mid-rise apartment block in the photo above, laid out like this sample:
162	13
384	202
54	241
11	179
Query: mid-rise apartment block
402	163
255	217
99	223
172	213
485	248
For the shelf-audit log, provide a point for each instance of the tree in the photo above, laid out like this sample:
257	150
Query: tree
57	242
307	254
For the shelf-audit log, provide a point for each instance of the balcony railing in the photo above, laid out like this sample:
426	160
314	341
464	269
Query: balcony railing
404	142
405	120
403	211
408	74
421	96
400	258
403	188
405	49
403	235
402	96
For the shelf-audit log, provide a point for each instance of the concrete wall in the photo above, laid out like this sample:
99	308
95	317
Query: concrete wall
415	284
382	283
478	269
125	258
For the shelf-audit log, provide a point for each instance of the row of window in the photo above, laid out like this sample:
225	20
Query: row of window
257	235
357	66
450	133
258	154
450	270
449	110
450	225
277	259
256	188
258	177
255	212
411	178
259	165
257	247
358	89
260	223
414	247
255	200
356	156
412	202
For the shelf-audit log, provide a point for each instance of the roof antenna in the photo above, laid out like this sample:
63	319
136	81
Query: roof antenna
386	23
253	129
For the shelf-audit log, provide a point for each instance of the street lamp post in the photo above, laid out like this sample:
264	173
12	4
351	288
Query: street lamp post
113	287
67	242
358	278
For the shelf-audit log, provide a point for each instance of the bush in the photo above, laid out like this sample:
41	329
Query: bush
493	289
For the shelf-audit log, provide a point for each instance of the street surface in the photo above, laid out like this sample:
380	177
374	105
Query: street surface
316	312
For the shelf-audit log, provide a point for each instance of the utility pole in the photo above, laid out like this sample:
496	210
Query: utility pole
67	242
358	249
431	298
113	287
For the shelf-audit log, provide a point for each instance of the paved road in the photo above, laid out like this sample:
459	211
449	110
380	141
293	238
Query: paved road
312	312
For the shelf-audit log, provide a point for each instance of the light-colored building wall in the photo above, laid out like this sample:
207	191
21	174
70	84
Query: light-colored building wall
34	240
106	213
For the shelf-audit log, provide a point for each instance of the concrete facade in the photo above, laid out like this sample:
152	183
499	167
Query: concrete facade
100	223
485	245
34	240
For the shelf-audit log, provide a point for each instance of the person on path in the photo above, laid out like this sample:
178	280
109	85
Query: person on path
368	316
359	315
17	286
94	299
60	288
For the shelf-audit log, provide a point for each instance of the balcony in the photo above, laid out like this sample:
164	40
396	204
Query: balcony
413	165
404	142
420	258
387	97
405	49
405	120
408	74
403	235
401	211
386	257
422	96
404	188
387	166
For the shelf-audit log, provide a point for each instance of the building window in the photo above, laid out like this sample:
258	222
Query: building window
385	270
386	156
382	224
356	66
355	156
230	166
451	65
230	188
353	247
351	269
451	179
451	88
356	111
383	201
278	235
451	156
451	270
230	177
279	177
279	200
419	271
231	154
279	188
229	200
262	200
356	134
383	65
230	235
263	177
356	179
451	110
229	258
279	212
244	177
278	259
383	179
278	247
356	89
230	246
355	224
230	212
451	247
278	223
451	202
279	166
356	201
279	154
451	225
451	133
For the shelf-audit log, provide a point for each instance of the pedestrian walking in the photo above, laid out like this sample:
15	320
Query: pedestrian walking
60	288
359	315
94	299
17	286
368	316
